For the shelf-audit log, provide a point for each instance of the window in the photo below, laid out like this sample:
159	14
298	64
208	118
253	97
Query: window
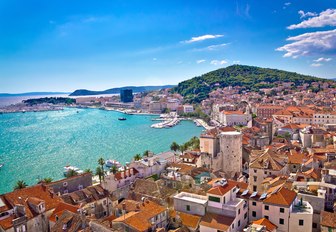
232	225
254	188
238	223
266	207
282	210
254	213
245	215
254	178
215	199
238	211
314	225
266	217
254	203
281	221
188	207
255	170
300	222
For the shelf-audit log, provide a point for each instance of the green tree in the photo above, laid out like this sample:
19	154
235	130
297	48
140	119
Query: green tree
101	162
47	180
88	170
137	157
174	146
71	173
183	147
146	153
114	169
100	173
20	185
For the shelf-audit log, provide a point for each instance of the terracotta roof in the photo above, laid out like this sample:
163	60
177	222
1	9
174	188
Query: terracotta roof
268	160
127	173
36	193
281	196
313	173
222	190
183	168
328	219
140	214
188	220
72	221
295	157
7	222
232	112
61	207
265	222
218	222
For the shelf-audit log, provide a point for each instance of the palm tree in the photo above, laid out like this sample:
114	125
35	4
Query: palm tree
183	147
47	180
146	153
20	185
114	169
101	162
88	170
100	173
174	146
71	173
137	157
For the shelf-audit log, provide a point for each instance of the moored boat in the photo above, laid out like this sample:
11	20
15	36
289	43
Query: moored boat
121	119
110	163
69	168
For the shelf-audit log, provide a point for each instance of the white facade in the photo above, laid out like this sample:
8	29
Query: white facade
188	108
233	119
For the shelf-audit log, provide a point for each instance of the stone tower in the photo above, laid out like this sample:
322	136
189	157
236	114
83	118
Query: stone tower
231	153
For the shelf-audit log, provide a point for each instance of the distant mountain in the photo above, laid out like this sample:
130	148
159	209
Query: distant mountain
252	78
30	94
136	89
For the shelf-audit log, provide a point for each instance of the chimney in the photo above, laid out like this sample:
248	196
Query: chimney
137	206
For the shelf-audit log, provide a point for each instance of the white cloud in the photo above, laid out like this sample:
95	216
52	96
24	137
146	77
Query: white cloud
236	62
286	5
218	62
307	14
154	59
316	64
322	59
200	61
202	37
217	46
325	18
312	43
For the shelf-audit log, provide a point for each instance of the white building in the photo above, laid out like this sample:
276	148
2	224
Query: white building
233	118
188	108
222	200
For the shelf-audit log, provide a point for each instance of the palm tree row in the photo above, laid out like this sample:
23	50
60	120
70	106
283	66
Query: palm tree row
193	143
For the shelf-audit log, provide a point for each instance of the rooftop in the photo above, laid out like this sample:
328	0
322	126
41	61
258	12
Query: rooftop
192	198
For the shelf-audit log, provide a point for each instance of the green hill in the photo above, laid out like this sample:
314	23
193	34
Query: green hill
251	78
136	89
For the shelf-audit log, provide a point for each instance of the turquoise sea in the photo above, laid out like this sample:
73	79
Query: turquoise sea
36	145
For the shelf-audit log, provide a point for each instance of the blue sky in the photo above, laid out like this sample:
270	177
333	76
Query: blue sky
65	45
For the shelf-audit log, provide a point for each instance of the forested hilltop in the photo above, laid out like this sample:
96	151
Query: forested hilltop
251	78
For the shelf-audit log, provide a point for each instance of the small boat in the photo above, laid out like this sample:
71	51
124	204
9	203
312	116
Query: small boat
121	119
111	163
68	168
1	165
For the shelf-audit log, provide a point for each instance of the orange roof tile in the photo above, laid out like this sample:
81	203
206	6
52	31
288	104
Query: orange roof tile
61	207
282	196
188	220
215	221
265	222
